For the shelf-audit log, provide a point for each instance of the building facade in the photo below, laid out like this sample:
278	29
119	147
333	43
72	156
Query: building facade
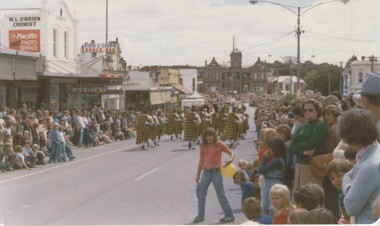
235	79
63	76
358	70
284	84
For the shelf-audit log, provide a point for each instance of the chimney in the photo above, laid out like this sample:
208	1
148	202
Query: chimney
205	63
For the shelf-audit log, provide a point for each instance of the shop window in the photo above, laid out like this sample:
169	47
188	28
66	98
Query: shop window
55	39
66	44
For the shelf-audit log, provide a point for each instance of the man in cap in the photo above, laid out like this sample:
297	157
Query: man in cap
370	95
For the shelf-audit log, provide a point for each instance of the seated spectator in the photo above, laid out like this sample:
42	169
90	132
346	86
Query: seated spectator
119	135
253	212
29	155
9	156
309	196
40	156
247	187
320	216
20	160
247	167
361	185
104	138
3	166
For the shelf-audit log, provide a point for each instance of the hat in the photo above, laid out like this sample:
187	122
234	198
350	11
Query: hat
371	84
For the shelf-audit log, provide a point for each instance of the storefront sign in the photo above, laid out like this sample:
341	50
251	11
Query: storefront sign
25	40
89	90
99	48
24	21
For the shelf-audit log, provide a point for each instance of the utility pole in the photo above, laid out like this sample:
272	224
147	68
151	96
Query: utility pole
106	21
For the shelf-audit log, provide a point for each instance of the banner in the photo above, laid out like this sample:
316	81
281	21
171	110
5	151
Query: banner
25	40
346	84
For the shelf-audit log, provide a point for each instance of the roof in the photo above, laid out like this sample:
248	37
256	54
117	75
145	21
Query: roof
182	89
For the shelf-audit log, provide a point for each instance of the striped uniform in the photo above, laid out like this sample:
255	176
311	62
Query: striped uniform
170	126
141	130
189	126
230	129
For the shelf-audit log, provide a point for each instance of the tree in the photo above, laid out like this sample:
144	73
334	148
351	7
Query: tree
323	78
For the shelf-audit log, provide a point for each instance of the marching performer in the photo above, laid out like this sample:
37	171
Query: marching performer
189	133
230	131
170	126
141	130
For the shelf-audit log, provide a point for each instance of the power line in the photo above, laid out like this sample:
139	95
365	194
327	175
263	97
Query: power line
264	45
347	39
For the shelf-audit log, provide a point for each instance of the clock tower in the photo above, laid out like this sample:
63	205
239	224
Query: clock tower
235	56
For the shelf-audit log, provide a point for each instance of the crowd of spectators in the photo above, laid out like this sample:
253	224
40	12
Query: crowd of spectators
30	137
312	125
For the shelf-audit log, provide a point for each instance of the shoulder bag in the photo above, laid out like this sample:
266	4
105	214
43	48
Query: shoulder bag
318	164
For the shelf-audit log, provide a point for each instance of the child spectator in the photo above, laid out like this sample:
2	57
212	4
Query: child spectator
273	171
280	196
247	167
247	187
9	156
266	135
55	141
335	171
256	177
284	132
309	196
252	211
20	160
297	216
29	156
40	156
320	216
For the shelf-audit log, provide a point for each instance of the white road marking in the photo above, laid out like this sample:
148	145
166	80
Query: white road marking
144	175
65	165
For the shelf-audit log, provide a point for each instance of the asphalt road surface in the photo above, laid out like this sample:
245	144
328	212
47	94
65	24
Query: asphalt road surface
118	184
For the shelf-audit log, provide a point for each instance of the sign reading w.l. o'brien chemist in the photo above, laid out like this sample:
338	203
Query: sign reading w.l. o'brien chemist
24	32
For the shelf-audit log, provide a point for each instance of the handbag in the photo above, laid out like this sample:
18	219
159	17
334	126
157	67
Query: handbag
318	164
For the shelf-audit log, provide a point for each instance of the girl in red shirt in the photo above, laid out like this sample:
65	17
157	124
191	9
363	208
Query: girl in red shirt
210	161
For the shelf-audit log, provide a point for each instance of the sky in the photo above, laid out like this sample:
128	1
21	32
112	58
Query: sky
190	32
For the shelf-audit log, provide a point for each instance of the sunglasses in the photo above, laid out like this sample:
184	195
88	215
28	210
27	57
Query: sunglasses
308	110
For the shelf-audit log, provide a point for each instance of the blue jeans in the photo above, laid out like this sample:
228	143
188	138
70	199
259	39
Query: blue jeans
214	176
80	140
54	152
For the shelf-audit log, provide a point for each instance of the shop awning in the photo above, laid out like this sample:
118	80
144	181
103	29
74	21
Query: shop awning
18	68
182	89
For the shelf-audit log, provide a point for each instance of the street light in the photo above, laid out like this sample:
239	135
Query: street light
298	31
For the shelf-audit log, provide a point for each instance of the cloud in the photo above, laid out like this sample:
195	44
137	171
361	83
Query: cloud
167	32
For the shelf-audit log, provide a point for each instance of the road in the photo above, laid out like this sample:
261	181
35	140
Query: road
117	184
